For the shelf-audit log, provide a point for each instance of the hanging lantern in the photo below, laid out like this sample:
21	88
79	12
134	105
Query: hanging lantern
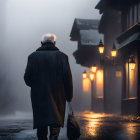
101	47
132	62
94	69
92	76
84	75
114	52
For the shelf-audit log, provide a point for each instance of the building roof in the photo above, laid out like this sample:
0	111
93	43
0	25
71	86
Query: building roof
90	37
82	24
87	23
129	36
115	4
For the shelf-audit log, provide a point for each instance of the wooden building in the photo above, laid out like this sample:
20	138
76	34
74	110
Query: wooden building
85	32
120	26
129	46
110	26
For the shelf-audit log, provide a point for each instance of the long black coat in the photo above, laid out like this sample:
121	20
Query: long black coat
49	76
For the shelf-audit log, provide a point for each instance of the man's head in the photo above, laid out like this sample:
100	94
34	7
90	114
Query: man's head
48	38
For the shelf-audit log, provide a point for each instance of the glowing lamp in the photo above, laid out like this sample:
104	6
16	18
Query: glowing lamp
132	66
101	47
94	69
113	52
101	50
132	62
84	75
92	76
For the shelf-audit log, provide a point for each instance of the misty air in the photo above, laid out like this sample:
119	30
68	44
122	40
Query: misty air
69	70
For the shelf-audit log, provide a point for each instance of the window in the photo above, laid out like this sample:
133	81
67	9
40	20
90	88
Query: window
99	83
131	82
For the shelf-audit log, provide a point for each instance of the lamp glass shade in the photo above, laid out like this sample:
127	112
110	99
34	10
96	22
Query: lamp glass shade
114	53
92	76
94	69
101	49
132	65
84	75
132	62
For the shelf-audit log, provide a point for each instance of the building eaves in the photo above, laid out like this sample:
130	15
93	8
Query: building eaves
82	24
115	4
129	36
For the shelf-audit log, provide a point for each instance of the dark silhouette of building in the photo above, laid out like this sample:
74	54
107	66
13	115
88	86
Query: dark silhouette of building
85	32
110	26
120	26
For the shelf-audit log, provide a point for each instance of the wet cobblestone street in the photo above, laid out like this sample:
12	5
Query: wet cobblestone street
93	127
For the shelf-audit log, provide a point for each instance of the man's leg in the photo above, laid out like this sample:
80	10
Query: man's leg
42	133
54	132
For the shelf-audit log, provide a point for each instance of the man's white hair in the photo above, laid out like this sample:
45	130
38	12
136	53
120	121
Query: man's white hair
48	38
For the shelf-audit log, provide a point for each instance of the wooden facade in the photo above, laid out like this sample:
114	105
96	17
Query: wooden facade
85	32
110	26
127	41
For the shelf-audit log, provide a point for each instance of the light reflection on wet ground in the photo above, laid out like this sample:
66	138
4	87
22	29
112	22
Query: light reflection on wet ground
93	127
109	127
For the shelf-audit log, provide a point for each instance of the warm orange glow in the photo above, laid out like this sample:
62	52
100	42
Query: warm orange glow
101	49
100	97
132	66
131	82
86	85
84	75
100	76
99	83
94	69
91	115
118	74
94	122
132	98
131	129
92	76
114	53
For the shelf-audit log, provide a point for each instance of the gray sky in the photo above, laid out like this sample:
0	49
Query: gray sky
25	22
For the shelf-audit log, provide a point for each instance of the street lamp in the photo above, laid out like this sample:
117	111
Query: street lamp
114	52
93	69
84	74
101	47
92	76
132	62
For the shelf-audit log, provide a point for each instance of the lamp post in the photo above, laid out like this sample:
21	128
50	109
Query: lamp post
92	76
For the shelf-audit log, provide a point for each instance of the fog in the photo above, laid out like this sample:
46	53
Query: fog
23	22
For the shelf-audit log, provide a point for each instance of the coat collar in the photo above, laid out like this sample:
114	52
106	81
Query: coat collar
47	46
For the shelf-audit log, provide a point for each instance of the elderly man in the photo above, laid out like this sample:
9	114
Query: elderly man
49	76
